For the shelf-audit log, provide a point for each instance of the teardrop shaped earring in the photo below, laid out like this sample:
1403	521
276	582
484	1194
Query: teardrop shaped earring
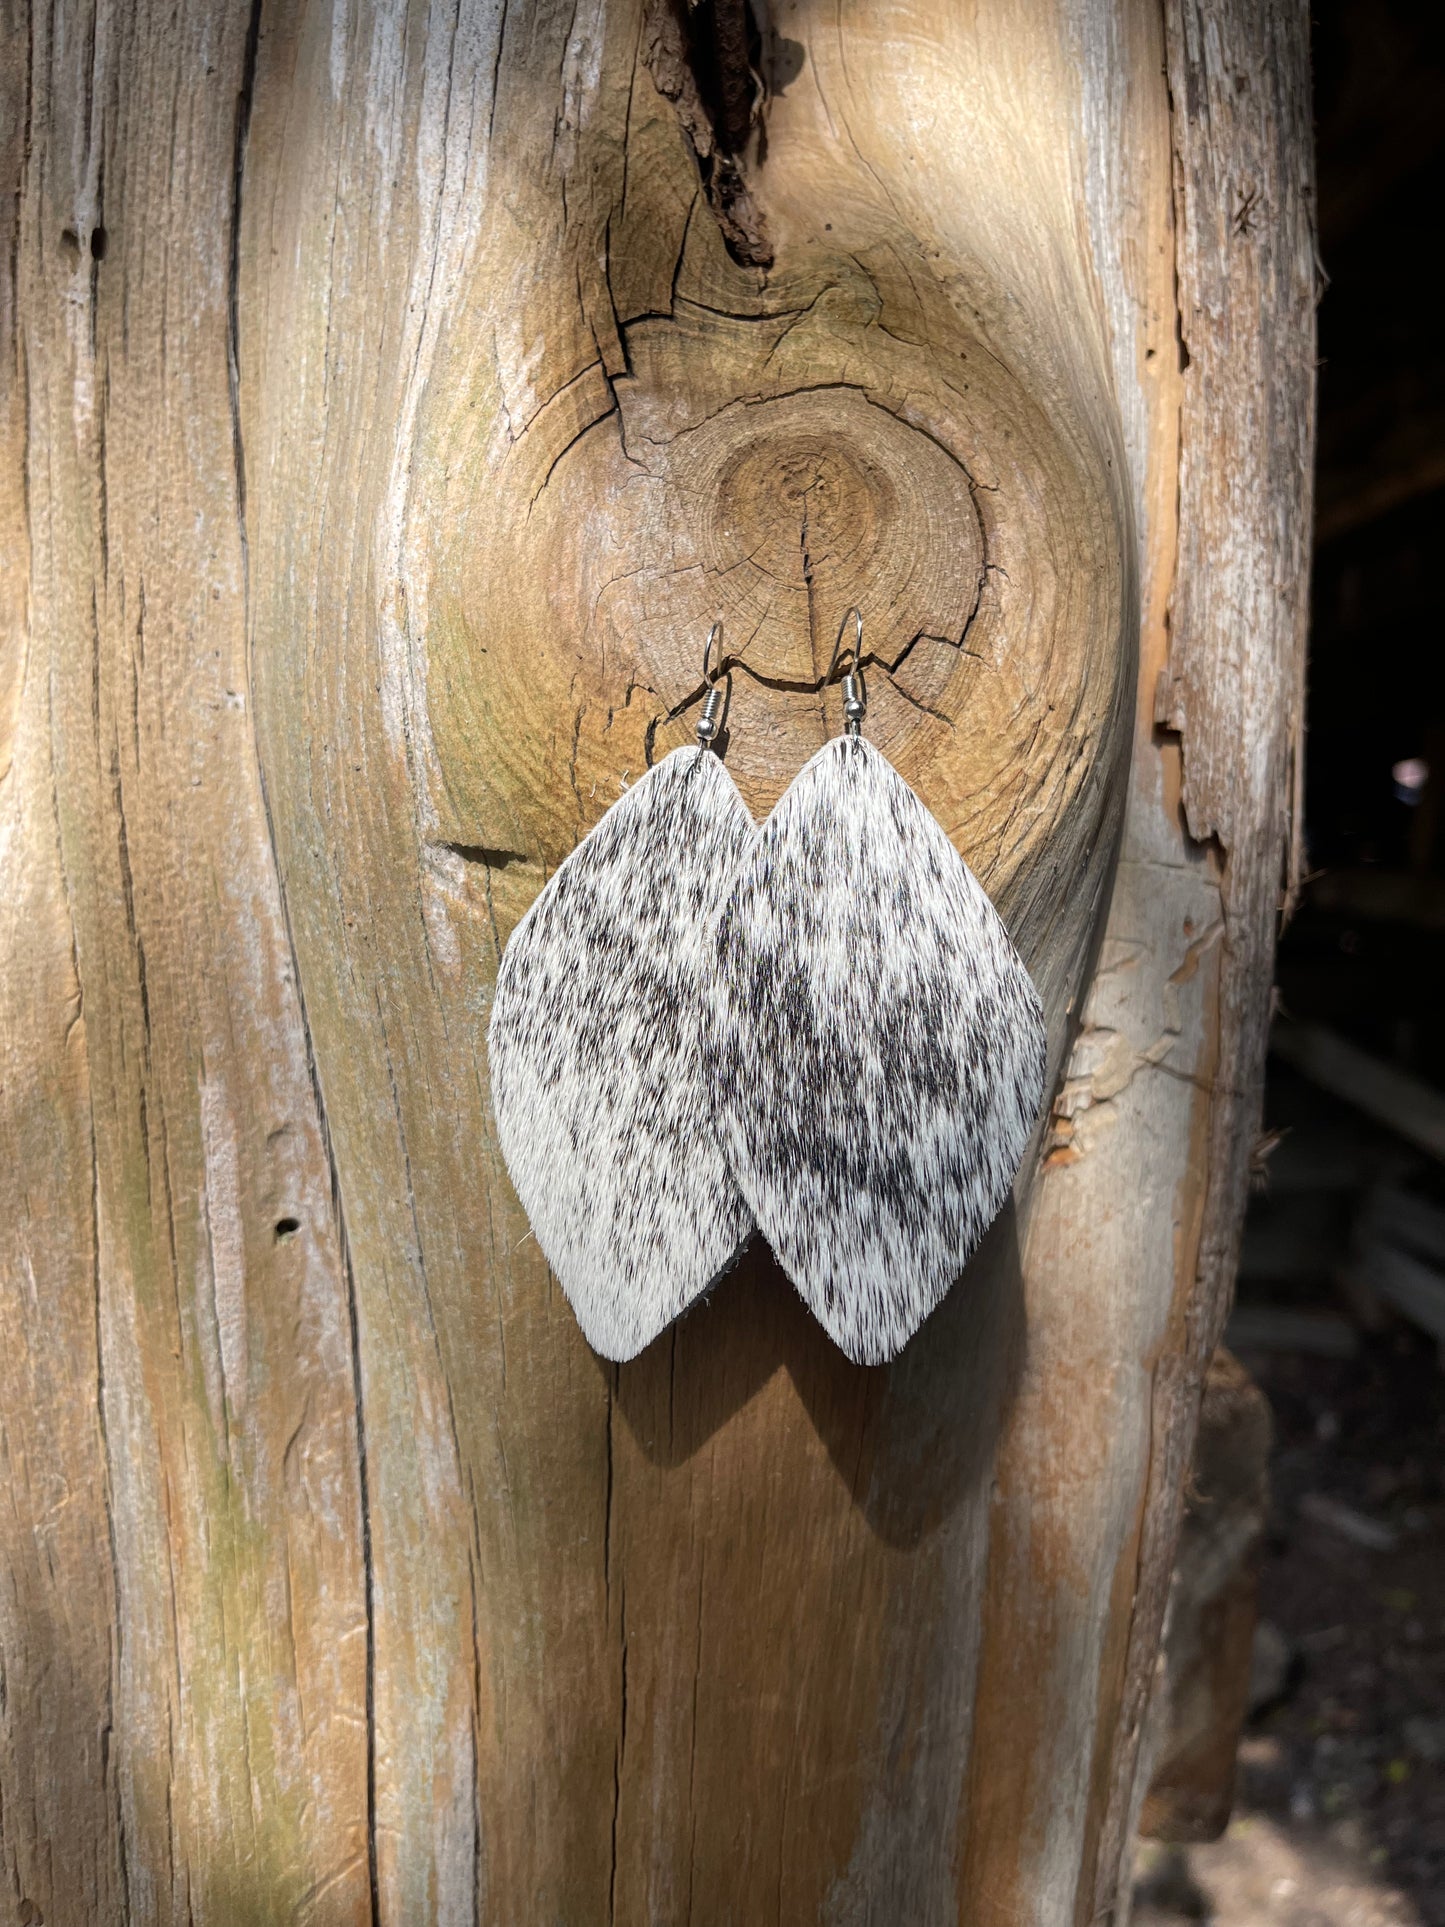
598	1050
880	1046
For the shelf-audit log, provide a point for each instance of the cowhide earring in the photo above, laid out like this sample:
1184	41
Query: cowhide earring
599	1049
879	1045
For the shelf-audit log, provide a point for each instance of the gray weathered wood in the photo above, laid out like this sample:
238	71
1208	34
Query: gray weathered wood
384	418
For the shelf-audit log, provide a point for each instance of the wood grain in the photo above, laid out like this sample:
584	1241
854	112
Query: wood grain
189	1413
393	396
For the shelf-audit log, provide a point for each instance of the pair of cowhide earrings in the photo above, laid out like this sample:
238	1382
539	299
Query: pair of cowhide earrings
819	1028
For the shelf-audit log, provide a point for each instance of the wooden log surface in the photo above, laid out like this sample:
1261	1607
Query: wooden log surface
1209	1647
392	397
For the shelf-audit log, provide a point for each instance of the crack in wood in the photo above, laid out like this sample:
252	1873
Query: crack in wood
702	62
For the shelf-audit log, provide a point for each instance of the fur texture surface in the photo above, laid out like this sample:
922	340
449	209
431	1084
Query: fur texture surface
601	1056
880	1049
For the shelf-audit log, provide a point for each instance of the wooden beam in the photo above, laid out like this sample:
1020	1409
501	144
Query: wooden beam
1404	1104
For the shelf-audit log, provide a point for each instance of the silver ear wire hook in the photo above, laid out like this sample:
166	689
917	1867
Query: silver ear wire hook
709	722
855	696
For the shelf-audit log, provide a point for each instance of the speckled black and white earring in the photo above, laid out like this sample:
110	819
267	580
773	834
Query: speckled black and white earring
600	1051
879	1044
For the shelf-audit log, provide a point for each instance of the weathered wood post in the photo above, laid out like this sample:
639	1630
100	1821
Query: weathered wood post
392	395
